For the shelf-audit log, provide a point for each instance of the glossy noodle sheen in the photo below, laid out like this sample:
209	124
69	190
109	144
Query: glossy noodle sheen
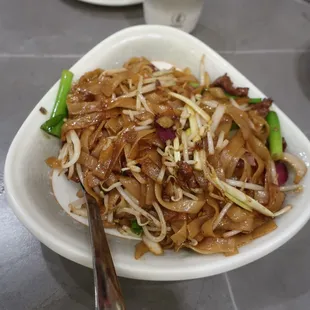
181	162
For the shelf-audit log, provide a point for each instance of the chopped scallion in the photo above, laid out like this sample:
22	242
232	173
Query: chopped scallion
54	124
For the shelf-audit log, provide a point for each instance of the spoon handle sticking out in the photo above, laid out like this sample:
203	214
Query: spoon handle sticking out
108	294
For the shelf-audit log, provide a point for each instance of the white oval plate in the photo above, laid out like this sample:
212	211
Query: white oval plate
113	2
28	188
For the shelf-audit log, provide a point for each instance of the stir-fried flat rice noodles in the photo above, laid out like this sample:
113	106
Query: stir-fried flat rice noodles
180	161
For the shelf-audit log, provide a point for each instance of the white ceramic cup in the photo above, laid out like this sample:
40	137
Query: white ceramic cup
182	14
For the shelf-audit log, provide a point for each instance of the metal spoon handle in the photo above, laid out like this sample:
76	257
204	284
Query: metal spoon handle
107	289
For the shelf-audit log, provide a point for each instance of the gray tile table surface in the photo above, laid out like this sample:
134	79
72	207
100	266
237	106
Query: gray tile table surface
267	40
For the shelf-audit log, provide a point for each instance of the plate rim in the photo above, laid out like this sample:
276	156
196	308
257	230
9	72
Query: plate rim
111	4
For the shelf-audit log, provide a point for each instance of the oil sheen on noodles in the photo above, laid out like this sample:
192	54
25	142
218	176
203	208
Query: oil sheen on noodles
176	161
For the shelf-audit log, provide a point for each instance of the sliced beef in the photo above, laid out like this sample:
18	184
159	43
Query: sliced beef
263	107
185	176
226	84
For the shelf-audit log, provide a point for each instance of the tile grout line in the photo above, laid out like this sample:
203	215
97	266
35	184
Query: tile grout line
55	56
231	294
266	51
198	300
223	52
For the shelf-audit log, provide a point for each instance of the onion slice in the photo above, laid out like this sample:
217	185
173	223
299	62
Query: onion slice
73	137
154	247
298	165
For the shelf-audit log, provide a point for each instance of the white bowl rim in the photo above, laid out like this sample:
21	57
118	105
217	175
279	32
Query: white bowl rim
140	272
113	2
